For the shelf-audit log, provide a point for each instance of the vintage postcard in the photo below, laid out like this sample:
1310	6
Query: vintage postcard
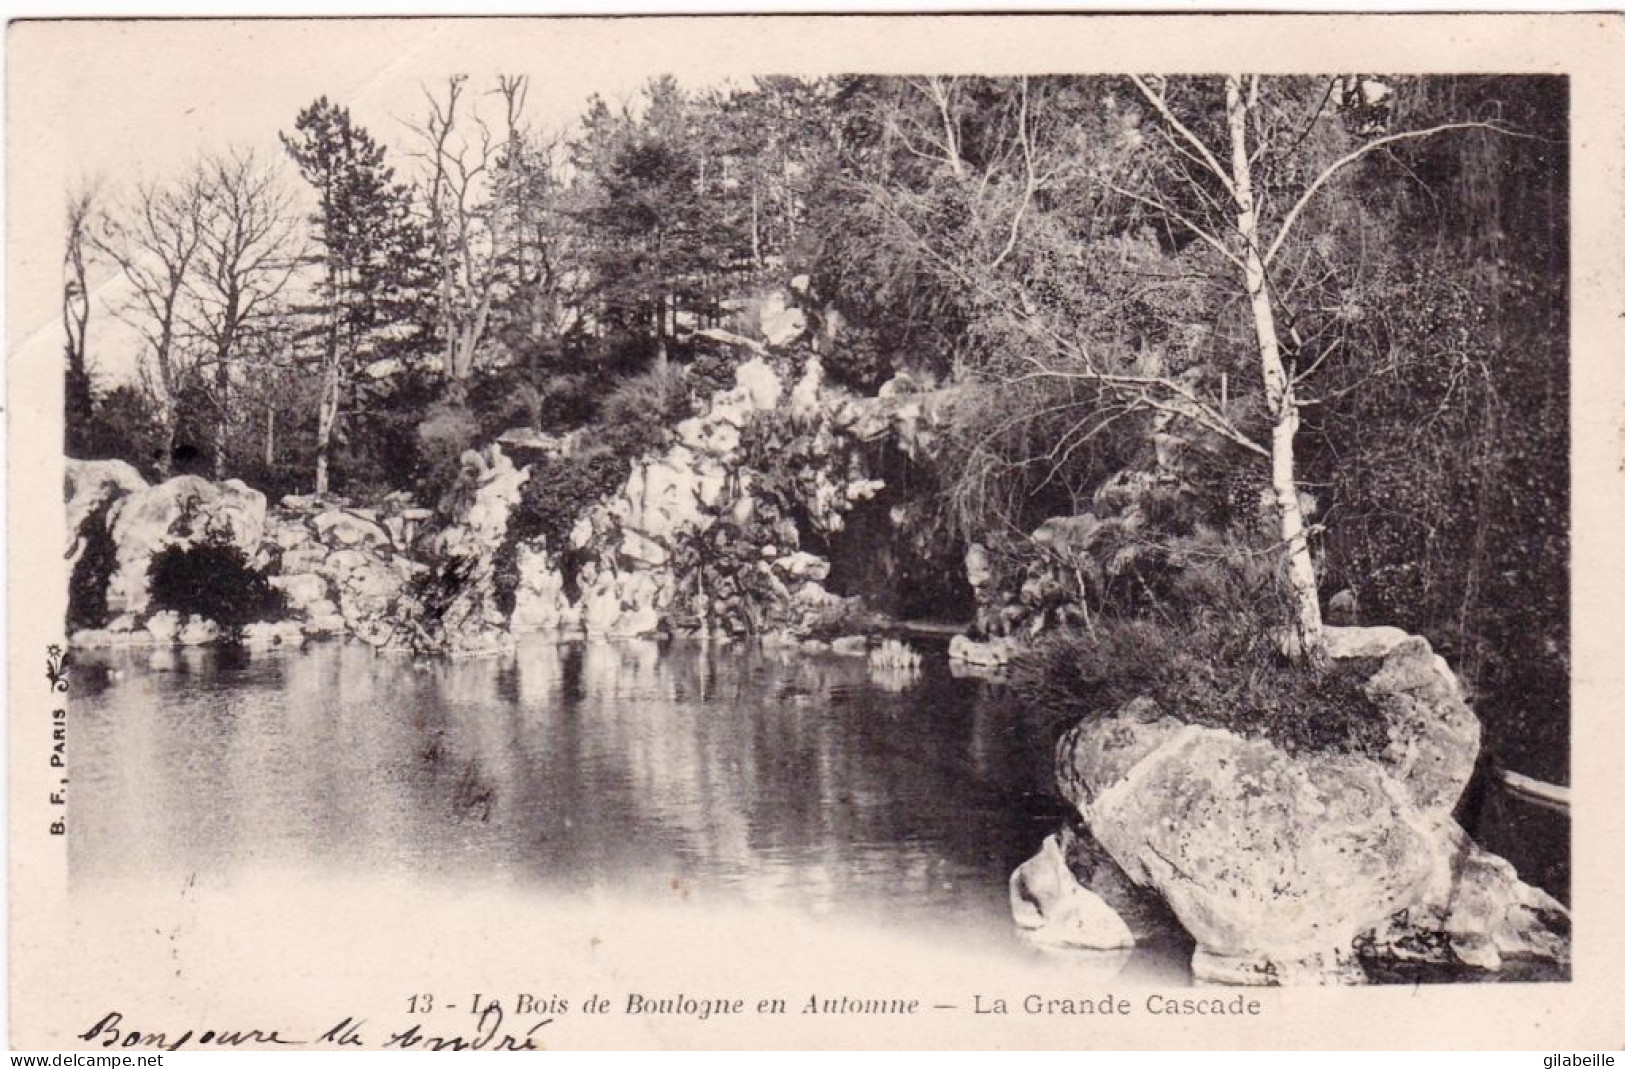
893	531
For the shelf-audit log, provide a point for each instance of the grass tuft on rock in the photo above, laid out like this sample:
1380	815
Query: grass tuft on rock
1215	663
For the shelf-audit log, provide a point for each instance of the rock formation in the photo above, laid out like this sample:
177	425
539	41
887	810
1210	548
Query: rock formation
1290	867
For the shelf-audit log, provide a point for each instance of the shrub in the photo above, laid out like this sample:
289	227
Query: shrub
708	374
422	607
657	398
213	580
723	565
1198	673
558	493
858	361
448	430
98	560
1209	657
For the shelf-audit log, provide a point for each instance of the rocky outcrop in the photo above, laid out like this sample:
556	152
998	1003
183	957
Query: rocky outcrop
991	653
701	535
1287	867
1432	735
1474	912
91	485
183	511
340	568
694	539
1053	908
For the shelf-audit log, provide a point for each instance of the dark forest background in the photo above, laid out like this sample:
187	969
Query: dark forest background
351	317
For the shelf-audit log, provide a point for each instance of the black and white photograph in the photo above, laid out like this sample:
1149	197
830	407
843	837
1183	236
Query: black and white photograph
642	532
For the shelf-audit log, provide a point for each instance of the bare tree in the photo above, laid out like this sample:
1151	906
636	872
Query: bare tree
459	223
1197	174
1253	245
531	239
82	222
154	240
247	252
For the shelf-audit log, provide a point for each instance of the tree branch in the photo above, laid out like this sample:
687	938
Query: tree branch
1330	172
1182	220
1161	104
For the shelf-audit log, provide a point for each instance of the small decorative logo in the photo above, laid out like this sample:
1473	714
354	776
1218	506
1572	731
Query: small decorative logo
56	667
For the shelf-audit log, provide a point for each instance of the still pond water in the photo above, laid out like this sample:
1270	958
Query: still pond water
743	776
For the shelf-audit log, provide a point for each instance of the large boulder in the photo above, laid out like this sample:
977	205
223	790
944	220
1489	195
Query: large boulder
1262	855
301	589
184	511
346	527
991	653
1290	867
1432	734
1053	909
1475	912
783	324
89	485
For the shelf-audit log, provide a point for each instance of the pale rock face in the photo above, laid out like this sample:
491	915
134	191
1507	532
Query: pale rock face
286	534
759	384
978	569
1475	912
198	632
718	437
341	527
620	605
264	634
539	601
782	323
1433	736
667	495
641	550
1053	909
184	511
804	395
636	622
994	653
581	533
803	566
1350	642
341	563
301	590
487	519
89	484
164	626
1260	855
304	559
324	620
912	429
323	607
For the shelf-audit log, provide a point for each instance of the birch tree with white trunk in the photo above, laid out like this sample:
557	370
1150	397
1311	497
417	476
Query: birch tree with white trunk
1253	238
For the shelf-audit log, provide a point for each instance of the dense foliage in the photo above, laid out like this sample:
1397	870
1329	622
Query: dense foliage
215	581
1053	251
1209	654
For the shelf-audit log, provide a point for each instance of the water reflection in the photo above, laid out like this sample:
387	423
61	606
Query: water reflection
717	772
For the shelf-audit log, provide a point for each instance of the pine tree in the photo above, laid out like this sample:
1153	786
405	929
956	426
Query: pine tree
370	254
